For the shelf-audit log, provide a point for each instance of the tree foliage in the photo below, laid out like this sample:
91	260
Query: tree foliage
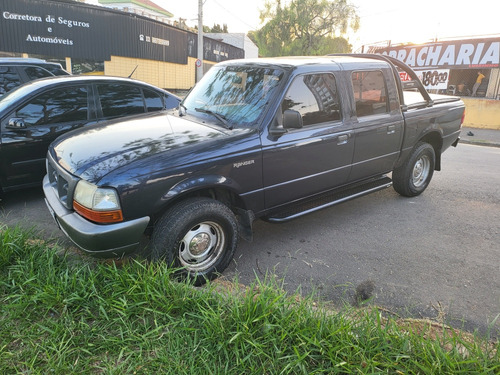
305	27
216	29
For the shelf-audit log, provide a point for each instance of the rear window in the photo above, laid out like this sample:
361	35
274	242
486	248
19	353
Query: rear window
34	72
55	69
154	101
370	93
120	100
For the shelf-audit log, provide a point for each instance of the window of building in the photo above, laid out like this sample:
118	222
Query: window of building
370	93
61	105
315	97
84	66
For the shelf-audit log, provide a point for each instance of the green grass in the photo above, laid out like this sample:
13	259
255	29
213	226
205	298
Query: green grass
62	316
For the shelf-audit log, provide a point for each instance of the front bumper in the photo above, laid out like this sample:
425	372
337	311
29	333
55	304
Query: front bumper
111	240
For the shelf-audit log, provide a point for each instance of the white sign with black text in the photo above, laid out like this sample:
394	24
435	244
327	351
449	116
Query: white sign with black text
434	79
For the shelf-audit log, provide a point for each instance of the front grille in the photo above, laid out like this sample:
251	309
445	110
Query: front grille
62	182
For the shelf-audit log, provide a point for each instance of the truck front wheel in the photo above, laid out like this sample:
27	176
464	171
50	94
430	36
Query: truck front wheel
198	236
414	175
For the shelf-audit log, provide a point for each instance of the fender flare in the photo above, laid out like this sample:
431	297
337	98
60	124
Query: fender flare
200	182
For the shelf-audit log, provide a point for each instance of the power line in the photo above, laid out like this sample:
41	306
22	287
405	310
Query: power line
233	15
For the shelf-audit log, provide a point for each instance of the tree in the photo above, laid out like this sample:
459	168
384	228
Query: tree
305	27
215	29
219	29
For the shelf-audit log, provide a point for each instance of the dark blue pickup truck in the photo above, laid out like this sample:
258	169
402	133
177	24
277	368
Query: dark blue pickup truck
267	138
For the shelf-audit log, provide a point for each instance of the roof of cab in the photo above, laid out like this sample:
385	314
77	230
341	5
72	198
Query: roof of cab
71	79
337	62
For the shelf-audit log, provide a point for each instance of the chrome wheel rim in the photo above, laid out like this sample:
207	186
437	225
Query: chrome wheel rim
201	246
421	171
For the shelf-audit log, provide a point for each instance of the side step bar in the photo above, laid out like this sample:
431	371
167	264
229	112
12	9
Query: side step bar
330	199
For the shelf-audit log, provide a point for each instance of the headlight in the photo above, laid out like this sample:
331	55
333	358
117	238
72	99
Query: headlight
97	204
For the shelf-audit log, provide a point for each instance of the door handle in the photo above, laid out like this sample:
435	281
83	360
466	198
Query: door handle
342	139
391	129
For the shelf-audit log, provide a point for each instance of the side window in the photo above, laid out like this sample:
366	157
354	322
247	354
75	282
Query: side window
55	69
370	93
153	100
9	79
56	106
170	101
34	72
120	100
315	97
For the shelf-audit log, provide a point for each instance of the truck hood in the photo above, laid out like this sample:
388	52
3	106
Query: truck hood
94	151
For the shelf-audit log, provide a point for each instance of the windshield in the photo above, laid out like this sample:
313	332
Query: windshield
235	95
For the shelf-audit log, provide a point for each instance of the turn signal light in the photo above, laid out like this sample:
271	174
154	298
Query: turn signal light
104	217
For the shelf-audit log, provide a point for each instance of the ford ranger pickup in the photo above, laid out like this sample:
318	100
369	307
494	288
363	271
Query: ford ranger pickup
269	139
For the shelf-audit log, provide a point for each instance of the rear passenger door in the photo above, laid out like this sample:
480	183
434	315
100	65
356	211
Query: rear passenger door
316	157
378	123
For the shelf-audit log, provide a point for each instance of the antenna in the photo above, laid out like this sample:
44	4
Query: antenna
133	71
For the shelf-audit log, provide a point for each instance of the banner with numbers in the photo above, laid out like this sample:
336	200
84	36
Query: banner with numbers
434	79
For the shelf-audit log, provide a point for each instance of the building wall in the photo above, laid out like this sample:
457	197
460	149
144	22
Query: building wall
239	40
494	84
162	74
113	41
482	113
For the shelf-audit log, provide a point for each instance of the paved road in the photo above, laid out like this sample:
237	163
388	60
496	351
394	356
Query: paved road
436	255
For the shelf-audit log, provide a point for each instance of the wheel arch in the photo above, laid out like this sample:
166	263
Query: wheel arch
219	188
436	141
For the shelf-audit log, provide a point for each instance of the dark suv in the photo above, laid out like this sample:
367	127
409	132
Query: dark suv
36	113
16	71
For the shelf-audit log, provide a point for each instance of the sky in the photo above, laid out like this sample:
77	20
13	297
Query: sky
400	21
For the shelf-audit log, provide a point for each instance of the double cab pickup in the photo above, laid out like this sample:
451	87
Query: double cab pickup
268	139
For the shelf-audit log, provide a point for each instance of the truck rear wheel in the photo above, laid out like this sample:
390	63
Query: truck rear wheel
414	175
198	236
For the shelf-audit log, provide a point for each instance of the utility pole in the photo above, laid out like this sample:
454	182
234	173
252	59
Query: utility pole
199	62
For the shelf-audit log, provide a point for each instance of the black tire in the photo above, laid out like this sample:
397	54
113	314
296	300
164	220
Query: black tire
209	228
414	175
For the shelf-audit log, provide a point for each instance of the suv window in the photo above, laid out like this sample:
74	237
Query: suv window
370	93
56	106
120	100
55	69
154	101
34	72
315	97
9	79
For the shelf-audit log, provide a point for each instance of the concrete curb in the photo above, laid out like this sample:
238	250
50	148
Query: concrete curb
480	137
479	143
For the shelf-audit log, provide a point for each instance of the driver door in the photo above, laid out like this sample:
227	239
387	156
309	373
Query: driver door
315	157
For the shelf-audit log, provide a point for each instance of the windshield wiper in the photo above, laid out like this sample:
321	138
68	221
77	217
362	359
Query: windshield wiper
219	116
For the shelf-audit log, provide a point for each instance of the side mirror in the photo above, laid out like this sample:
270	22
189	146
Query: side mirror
292	119
16	123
